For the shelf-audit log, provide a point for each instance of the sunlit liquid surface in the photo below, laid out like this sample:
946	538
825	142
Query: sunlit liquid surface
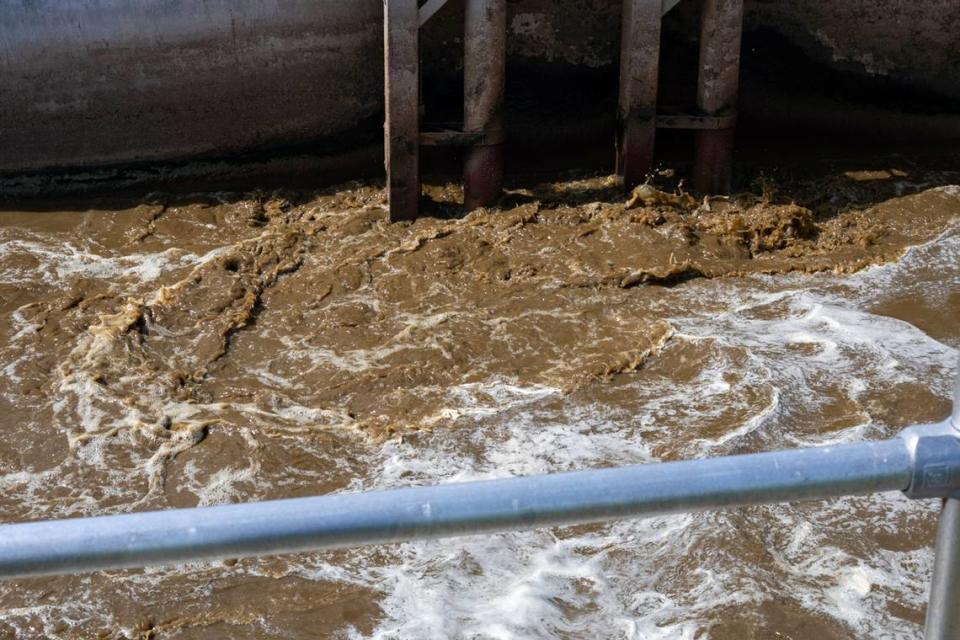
223	349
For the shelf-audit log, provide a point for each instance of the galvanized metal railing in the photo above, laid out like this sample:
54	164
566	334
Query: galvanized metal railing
923	462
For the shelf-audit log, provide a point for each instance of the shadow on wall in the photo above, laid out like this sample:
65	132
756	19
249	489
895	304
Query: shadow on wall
244	94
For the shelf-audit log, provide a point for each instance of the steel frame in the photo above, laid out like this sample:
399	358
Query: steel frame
485	34
717	88
484	86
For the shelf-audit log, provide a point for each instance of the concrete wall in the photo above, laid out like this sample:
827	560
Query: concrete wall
914	42
88	83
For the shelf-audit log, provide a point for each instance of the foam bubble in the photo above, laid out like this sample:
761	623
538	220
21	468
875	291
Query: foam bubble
609	581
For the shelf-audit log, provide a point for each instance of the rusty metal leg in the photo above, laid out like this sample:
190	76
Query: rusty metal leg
720	33
484	69
639	66
402	97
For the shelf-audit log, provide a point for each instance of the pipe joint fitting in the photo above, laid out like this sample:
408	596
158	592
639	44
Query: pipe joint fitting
934	451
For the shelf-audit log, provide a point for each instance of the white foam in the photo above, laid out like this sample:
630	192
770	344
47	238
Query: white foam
609	581
639	579
63	261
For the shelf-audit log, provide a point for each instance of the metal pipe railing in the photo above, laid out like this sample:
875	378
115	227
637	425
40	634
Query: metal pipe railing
923	462
345	520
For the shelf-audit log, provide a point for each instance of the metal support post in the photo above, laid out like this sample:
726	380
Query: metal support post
430	9
639	68
943	610
484	69
721	27
402	98
955	418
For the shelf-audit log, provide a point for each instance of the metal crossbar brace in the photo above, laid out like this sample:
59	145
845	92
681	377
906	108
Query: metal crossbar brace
669	4
429	9
452	135
694	122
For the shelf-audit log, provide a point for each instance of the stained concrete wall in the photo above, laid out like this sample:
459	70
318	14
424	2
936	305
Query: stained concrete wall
914	42
91	83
